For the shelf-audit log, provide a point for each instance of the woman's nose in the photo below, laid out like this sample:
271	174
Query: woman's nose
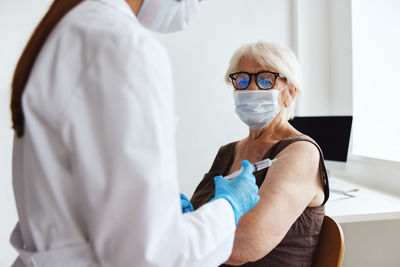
252	85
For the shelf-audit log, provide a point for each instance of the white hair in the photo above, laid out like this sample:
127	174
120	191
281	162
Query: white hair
270	55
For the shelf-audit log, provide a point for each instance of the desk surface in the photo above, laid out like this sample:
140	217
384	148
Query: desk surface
367	205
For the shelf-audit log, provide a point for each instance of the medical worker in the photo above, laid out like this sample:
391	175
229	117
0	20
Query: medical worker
94	164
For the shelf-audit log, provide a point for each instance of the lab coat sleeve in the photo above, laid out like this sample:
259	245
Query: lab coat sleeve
121	136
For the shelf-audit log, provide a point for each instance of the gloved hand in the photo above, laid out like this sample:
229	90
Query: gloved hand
186	205
241	192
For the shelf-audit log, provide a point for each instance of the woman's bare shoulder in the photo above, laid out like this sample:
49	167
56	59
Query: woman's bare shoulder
297	164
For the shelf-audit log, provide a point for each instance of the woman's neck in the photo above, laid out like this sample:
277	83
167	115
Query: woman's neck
278	129
135	5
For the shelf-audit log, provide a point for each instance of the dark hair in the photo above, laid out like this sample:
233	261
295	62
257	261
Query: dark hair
55	13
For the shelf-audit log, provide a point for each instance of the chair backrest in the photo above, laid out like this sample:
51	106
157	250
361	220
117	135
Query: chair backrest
330	248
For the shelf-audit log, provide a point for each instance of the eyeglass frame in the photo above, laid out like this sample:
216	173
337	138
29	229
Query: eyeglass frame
276	74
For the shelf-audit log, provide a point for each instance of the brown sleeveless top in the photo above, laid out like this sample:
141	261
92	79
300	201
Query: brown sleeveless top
298	245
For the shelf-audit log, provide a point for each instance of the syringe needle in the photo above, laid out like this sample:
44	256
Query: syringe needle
256	167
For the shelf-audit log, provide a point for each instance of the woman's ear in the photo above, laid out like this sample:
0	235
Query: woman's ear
289	96
292	91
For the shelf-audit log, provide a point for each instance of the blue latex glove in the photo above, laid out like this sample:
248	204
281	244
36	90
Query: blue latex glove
241	192
186	205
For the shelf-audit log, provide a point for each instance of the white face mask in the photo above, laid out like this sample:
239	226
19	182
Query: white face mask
257	108
167	16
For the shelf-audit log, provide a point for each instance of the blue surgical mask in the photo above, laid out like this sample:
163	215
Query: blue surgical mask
257	108
167	16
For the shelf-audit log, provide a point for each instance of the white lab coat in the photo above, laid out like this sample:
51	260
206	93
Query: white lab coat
95	175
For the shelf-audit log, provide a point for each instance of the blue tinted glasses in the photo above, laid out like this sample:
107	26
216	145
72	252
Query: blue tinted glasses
264	79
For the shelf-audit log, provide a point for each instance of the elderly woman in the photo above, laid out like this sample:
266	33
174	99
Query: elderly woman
283	228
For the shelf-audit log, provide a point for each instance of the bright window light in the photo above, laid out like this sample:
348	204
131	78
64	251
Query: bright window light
376	78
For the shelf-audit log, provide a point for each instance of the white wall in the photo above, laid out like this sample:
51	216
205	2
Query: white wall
324	51
341	71
372	244
314	55
17	21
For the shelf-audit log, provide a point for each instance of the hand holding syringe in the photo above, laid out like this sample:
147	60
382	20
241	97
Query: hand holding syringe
256	167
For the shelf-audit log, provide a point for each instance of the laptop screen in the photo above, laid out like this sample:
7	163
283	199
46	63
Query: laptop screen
332	133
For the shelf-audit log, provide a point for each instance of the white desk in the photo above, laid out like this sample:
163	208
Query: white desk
367	205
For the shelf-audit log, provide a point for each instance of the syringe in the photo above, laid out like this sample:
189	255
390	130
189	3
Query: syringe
256	167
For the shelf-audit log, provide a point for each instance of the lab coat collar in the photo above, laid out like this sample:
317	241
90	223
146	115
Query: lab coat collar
120	5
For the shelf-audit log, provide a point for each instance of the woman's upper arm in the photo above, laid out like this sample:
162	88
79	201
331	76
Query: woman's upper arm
290	185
